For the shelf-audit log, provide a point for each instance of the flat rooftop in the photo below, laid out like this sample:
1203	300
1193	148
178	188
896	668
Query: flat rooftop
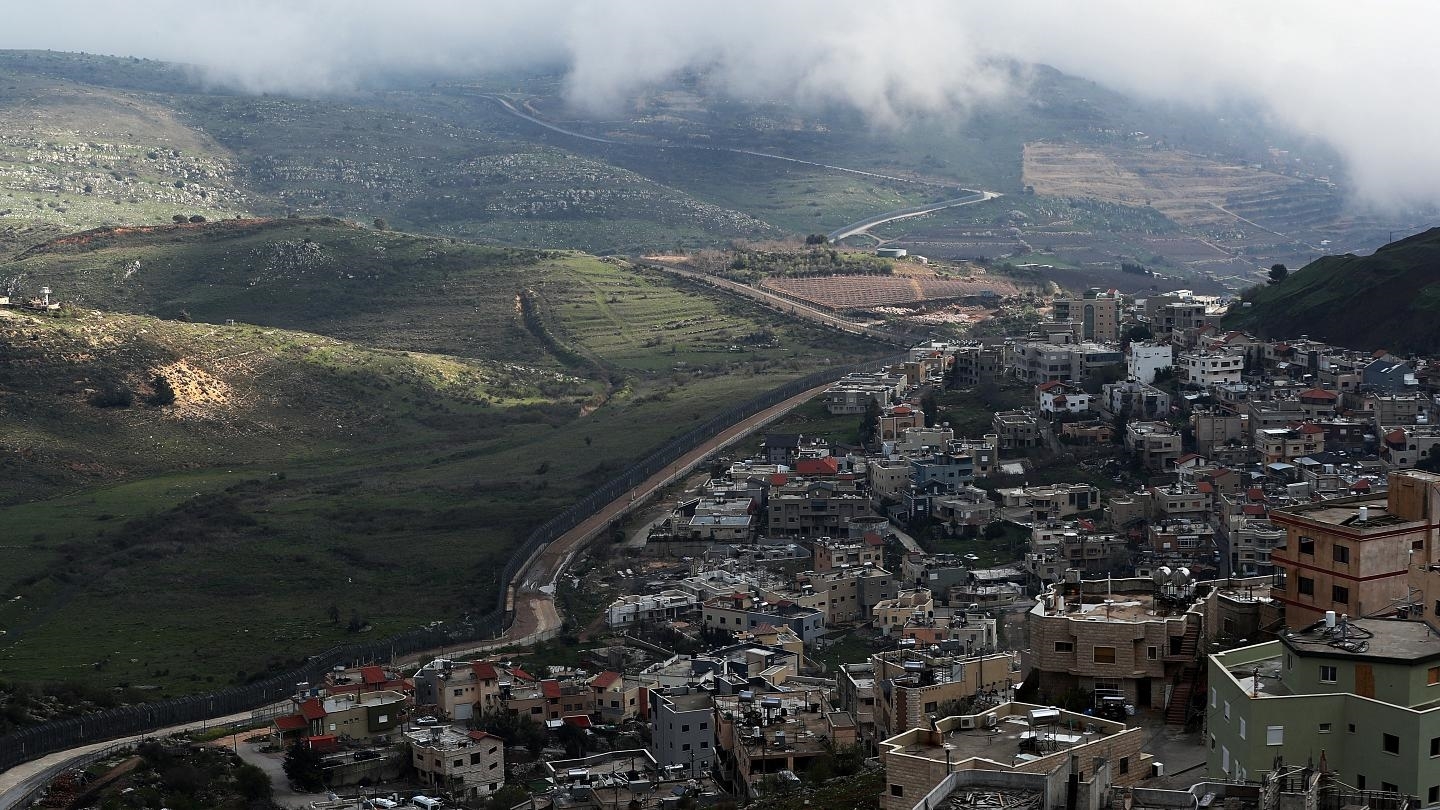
1408	640
1346	512
1012	740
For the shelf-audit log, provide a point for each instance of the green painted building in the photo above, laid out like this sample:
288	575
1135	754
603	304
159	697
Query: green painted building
1364	695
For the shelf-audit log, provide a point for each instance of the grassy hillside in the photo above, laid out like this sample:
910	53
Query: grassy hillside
1388	300
381	462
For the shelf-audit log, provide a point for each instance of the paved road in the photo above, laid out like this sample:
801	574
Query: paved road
906	213
21	779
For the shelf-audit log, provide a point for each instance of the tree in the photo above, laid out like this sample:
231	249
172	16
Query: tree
252	782
197	219
870	421
930	408
574	738
1278	272
303	767
179	219
164	393
381	225
1138	332
507	797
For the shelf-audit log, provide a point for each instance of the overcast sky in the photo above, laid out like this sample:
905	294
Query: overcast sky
1358	75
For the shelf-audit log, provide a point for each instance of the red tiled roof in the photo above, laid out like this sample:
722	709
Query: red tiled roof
902	410
1255	494
484	670
605	679
372	676
828	465
874	539
1087	524
291	722
550	688
1396	436
521	675
779	479
1188	457
577	720
1319	393
477	736
1254	509
1205	487
1362	485
1046	386
1311	427
312	709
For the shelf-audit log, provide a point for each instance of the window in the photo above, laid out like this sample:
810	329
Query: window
1213	696
459	763
1152	653
1104	655
1274	735
1064	646
685	727
897	790
1227	710
685	747
1242	729
1390	743
1435	746
1389	787
1433	795
474	759
1340	595
1307	545
1350	727
1360	781
1124	764
1305	586
705	725
1324	728
1432	676
1342	554
1328	674
931	707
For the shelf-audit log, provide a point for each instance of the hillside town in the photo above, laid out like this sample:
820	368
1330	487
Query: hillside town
1193	568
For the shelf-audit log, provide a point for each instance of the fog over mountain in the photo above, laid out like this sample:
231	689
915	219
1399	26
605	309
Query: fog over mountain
1354	75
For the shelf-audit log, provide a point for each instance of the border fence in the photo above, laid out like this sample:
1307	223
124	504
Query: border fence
58	735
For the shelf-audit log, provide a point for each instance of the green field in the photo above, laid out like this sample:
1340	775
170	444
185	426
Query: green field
381	463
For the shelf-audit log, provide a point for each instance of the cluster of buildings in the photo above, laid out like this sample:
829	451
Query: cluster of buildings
1268	573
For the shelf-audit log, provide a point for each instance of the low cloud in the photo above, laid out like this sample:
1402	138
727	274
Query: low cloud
1355	75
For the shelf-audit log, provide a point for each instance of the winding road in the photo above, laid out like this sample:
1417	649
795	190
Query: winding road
971	196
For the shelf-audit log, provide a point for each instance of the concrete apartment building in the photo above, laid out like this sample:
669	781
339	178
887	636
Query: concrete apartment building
1128	638
742	612
1352	555
1209	368
977	364
913	683
682	730
1092	316
832	553
1143	360
1363	692
1283	445
1156	444
1019	738
762	734
849	594
459	761
1404	446
1135	399
1014	430
814	508
1044	502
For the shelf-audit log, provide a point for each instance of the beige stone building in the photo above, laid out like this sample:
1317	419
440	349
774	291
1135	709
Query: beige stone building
1016	737
456	760
912	684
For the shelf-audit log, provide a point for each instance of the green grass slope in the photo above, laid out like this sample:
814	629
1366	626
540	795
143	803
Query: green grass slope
1389	300
381	461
